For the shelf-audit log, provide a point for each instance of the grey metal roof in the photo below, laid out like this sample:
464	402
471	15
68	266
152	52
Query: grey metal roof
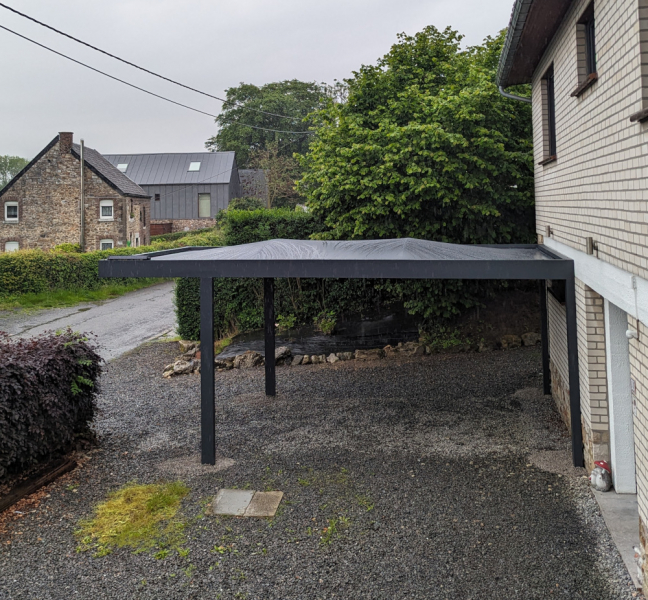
404	258
111	175
170	169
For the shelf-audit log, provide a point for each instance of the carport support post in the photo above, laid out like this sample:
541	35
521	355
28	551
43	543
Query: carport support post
207	404
544	328
269	319
574	382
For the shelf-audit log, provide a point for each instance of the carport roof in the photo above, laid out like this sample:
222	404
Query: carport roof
403	258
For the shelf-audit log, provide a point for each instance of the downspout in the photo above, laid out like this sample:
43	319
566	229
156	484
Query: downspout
513	96
82	235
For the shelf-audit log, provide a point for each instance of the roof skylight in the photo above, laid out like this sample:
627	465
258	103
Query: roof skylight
194	166
122	167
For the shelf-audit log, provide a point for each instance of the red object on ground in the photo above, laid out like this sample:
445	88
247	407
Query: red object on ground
603	464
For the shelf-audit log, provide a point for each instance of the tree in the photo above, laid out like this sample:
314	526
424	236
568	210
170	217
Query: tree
294	99
426	147
281	173
10	166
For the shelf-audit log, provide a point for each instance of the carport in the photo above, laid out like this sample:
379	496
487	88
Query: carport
403	258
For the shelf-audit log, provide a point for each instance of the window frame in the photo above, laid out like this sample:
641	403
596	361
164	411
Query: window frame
209	216
586	51
11	203
191	164
549	142
106	241
104	203
12	242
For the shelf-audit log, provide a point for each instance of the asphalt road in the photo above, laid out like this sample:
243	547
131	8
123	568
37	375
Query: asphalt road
120	324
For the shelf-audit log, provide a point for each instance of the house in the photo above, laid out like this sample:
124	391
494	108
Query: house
587	65
41	205
187	190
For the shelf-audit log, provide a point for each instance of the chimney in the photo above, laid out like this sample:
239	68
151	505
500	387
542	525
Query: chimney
65	141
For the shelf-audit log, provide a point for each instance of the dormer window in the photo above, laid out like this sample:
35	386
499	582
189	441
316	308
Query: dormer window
194	166
122	167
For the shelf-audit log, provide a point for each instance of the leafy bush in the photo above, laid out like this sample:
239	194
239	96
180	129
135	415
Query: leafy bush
67	248
246	203
48	386
178	235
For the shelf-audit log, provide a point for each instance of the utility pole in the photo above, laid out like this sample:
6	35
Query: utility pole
82	235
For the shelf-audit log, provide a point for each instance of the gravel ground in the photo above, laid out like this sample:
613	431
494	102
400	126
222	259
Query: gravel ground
451	473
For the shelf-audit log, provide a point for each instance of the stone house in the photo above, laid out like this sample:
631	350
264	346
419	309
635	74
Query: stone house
587	63
187	190
41	205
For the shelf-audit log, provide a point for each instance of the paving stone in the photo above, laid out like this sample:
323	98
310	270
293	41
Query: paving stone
264	504
232	502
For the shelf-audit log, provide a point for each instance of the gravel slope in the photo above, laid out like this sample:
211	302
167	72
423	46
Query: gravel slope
451	472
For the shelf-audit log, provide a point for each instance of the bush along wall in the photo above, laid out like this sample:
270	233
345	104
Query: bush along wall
48	386
238	303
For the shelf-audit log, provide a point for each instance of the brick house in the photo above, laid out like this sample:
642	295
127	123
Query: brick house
587	63
41	205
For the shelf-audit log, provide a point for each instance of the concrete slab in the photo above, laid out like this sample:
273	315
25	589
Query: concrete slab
264	504
621	515
232	502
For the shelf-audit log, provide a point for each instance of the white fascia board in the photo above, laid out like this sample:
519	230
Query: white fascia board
609	281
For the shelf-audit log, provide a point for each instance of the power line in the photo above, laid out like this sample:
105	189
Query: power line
67	35
142	89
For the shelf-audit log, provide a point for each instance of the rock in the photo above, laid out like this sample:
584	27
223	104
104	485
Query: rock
169	367
282	353
332	358
314	359
189	354
482	347
306	360
372	354
186	345
168	373
531	339
196	368
224	363
345	355
322	358
182	366
428	349
248	360
297	360
511	341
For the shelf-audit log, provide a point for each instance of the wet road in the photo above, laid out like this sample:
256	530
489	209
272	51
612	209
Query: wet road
120	324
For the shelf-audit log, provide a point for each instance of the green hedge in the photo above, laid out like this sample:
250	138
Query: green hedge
238	303
178	235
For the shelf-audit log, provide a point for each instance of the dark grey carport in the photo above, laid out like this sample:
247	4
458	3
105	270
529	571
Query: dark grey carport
404	258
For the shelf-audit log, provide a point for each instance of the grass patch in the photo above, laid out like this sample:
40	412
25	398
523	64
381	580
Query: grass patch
220	345
141	517
61	298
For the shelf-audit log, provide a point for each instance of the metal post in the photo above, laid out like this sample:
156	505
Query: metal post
574	381
82	202
207	404
544	325
269	317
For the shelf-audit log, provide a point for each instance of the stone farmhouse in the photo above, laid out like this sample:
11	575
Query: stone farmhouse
42	207
587	63
187	190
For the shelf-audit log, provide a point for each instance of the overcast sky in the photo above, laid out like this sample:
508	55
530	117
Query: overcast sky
208	44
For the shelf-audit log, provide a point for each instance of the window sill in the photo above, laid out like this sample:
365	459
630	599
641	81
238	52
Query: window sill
639	117
106	220
591	79
11	221
548	160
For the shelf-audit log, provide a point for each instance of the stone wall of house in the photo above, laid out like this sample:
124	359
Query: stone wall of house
48	205
188	224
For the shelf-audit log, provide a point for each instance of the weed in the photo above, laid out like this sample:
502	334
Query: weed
141	517
326	322
366	502
335	527
189	571
184	552
286	322
161	554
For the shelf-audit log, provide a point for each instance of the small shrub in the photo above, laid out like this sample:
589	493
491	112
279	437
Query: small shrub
326	322
247	203
67	248
48	386
286	322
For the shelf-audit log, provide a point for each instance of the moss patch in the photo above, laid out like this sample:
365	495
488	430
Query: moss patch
141	517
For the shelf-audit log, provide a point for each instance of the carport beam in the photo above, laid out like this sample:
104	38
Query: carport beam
207	403
544	328
269	323
574	380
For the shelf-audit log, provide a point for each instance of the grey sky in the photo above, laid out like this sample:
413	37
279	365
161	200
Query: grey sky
208	44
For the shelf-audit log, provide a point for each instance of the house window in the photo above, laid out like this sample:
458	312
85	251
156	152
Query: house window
585	51
194	166
106	210
204	206
11	246
106	244
548	117
11	212
122	167
143	216
157	197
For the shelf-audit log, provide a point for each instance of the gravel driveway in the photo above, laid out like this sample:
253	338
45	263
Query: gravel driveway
448	477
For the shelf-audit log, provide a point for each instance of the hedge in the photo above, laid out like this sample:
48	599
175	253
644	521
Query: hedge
48	386
238	303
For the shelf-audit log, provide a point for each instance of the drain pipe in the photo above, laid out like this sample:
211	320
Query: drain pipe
82	235
513	96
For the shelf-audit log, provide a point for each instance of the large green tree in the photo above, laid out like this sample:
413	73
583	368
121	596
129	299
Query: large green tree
10	166
293	99
426	147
